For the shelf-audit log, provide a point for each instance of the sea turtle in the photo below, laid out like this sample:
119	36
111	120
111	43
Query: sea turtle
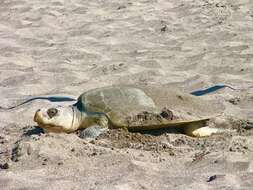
136	108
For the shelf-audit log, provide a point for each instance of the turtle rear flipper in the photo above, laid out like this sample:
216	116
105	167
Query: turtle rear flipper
191	124
194	128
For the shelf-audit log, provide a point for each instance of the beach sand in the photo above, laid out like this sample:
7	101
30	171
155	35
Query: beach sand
57	47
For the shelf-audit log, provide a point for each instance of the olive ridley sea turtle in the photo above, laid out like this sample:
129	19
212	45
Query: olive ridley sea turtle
136	108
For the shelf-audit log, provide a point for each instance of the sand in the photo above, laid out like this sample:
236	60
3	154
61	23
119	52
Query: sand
67	47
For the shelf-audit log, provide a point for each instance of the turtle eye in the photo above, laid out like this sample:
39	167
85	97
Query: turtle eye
52	112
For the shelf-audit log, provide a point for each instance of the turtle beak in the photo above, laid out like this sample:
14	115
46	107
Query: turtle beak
38	117
35	118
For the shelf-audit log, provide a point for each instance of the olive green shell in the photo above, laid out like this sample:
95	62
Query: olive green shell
120	103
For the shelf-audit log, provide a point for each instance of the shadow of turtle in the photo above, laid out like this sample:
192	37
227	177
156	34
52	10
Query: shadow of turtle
33	131
158	132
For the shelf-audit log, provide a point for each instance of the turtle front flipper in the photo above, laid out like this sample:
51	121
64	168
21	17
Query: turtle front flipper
92	132
97	124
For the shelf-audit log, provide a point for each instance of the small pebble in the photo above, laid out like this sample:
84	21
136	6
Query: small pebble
94	154
121	7
211	178
4	166
164	28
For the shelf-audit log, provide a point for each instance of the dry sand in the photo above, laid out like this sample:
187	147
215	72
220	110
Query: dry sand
57	47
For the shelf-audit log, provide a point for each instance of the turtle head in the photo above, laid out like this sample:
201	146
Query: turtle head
57	119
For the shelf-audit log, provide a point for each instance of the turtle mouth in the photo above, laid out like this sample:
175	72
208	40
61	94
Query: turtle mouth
38	117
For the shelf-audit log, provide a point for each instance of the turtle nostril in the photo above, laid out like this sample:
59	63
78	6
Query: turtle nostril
38	110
